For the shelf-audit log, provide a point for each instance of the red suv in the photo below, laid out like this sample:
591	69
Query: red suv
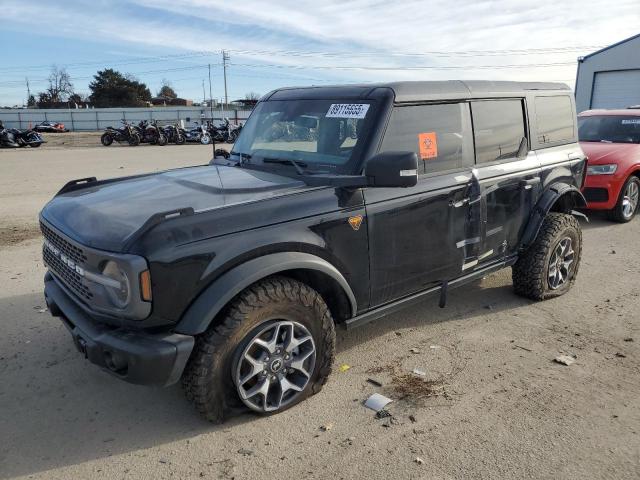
611	140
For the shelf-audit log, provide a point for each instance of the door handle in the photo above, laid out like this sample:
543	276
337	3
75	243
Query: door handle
528	184
459	203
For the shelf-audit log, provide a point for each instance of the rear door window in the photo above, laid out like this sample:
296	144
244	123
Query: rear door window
554	120
498	127
437	133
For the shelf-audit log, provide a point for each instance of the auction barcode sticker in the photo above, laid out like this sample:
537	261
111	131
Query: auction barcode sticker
347	110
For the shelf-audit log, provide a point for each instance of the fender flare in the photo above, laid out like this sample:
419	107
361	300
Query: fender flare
546	201
213	298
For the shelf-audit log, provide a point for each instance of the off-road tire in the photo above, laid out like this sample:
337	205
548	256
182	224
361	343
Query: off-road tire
106	139
617	214
207	379
530	272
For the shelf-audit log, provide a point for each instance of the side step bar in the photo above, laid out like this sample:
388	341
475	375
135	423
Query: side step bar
392	307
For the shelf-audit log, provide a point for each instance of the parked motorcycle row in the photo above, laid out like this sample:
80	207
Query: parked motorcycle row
14	138
154	134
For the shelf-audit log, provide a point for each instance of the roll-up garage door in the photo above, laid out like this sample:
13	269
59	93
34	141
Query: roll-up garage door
616	89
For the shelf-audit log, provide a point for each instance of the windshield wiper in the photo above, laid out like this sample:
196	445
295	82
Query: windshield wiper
299	166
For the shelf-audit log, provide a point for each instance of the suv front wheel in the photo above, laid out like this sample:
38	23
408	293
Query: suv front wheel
550	265
627	204
273	348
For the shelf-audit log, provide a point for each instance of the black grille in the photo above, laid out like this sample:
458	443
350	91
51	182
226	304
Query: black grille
74	253
69	276
593	194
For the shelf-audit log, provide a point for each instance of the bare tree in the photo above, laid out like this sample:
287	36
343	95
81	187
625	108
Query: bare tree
252	96
60	85
166	90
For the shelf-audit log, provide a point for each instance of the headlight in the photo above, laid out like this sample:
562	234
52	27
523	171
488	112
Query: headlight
119	296
602	169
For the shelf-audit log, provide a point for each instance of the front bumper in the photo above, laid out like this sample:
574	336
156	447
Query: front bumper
602	191
131	355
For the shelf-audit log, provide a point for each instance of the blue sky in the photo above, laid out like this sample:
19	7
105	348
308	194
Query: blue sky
301	42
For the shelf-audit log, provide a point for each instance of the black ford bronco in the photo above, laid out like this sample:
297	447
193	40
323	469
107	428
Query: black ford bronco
337	205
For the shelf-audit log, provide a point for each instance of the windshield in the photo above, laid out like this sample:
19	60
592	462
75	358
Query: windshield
318	135
609	128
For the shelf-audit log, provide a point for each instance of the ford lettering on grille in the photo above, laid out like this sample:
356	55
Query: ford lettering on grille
63	258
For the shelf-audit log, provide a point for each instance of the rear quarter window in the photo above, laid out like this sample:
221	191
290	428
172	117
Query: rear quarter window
499	128
554	120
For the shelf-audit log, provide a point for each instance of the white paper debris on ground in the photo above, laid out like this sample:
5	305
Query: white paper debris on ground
434	347
415	350
564	360
377	402
419	372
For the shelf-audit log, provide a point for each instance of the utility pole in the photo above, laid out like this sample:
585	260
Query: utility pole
213	142
225	59
204	95
28	90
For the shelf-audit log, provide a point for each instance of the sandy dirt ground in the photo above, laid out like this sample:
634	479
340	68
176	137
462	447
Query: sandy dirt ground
496	406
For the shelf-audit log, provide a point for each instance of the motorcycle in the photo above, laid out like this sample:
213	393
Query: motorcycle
127	133
50	127
199	133
151	133
227	132
14	138
174	133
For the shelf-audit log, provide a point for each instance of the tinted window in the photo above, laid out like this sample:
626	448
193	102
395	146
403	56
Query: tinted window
498	127
554	119
609	128
434	132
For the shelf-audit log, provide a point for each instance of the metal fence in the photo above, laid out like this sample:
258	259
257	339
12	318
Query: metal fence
93	119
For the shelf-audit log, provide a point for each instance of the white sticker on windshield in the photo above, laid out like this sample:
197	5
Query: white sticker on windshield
631	120
347	110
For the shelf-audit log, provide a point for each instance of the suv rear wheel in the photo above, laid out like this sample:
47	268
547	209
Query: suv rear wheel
550	266
273	348
627	204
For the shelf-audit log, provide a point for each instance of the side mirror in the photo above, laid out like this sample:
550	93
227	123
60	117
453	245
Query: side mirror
392	169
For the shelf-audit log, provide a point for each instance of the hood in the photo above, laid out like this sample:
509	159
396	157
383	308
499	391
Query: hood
104	216
603	153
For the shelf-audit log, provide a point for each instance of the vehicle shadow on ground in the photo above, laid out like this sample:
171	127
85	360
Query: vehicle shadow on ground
56	409
483	297
50	396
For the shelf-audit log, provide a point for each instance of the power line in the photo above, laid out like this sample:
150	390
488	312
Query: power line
401	68
439	53
311	53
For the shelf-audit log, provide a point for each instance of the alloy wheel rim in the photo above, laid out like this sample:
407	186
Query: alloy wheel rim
276	366
560	264
630	199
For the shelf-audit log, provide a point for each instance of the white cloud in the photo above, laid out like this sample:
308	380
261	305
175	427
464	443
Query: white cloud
248	27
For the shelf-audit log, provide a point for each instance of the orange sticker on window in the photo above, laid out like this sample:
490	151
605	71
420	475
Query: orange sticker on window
428	145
